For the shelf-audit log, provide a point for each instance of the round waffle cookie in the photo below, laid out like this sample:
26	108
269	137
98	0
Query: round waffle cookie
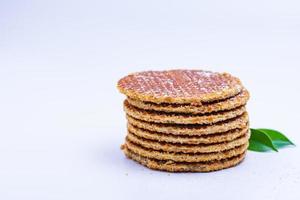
185	120
159	117
205	139
194	129
185	157
227	104
179	86
172	166
186	148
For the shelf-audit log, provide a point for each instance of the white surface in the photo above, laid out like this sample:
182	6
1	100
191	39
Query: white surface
61	116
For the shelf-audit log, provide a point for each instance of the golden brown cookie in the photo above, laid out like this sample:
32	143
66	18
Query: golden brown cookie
179	86
183	139
185	157
192	130
160	117
227	104
185	148
172	166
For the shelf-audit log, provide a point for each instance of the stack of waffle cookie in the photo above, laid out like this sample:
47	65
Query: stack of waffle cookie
185	120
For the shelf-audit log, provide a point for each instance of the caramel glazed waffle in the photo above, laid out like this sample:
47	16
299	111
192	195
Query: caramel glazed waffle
185	120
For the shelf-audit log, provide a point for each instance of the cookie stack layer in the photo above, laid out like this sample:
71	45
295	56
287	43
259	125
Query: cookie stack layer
185	120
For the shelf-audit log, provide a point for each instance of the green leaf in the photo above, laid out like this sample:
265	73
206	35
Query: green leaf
259	141
263	140
278	139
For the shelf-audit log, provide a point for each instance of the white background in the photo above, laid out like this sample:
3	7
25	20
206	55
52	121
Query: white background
61	117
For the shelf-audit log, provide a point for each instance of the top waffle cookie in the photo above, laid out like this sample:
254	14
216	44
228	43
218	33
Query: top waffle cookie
180	86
